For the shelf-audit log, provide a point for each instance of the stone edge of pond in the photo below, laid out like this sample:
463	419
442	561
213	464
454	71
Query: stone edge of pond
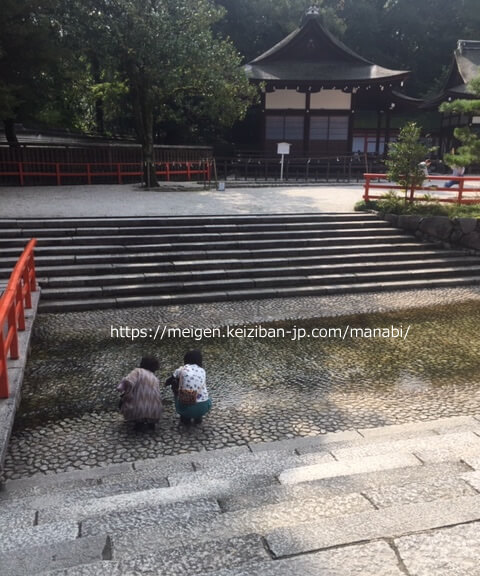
16	370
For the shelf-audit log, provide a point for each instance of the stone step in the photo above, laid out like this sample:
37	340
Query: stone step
243	219
385	523
48	486
124	519
58	279
293	514
33	560
186	559
149	483
192	228
98	302
372	559
54	267
194	283
395	486
373	484
158	479
142	551
200	241
138	254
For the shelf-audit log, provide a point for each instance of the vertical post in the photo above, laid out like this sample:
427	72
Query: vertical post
460	190
20	173
377	135
12	325
387	133
167	167
3	367
26	286
57	172
367	187
19	303
32	279
189	171
281	167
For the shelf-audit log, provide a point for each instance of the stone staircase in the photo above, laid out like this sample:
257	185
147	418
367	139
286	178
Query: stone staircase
396	501
89	263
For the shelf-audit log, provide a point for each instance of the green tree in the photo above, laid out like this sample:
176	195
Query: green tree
411	35
254	26
167	54
404	157
469	151
29	61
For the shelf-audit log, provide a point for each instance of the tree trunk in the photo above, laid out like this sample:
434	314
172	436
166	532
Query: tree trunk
143	110
10	133
149	172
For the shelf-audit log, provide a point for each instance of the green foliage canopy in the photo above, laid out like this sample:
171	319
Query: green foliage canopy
169	58
30	59
469	151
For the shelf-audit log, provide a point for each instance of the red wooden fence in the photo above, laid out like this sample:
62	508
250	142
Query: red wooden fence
467	191
15	299
99	172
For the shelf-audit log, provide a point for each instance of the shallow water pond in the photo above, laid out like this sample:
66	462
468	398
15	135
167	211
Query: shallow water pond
367	380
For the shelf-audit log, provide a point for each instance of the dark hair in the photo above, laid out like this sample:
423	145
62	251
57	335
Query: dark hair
193	357
149	363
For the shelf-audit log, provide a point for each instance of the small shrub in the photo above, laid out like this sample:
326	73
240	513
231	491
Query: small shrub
391	204
362	206
464	211
427	209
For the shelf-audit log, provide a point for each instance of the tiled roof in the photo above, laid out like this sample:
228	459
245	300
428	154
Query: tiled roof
312	54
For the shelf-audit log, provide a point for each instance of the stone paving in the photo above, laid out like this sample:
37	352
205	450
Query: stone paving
173	199
263	389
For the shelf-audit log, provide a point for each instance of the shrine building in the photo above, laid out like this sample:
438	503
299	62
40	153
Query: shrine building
323	98
464	68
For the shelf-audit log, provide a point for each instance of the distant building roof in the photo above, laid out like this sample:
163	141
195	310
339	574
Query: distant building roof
466	65
311	54
464	68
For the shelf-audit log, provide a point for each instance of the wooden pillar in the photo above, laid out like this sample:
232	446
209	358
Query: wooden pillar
306	126
387	132
264	123
379	129
351	121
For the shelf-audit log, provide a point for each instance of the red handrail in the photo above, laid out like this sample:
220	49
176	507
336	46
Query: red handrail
461	190
15	299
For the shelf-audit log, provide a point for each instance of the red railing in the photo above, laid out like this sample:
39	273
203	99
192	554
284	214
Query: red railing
88	172
458	194
15	299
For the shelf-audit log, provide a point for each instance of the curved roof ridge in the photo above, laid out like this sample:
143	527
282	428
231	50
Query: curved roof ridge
320	31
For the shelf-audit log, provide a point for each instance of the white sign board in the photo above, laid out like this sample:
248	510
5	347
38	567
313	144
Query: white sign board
283	148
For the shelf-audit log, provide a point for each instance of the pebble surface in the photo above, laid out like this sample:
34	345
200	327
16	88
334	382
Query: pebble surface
262	388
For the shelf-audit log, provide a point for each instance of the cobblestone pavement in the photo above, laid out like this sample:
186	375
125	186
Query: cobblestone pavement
262	388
